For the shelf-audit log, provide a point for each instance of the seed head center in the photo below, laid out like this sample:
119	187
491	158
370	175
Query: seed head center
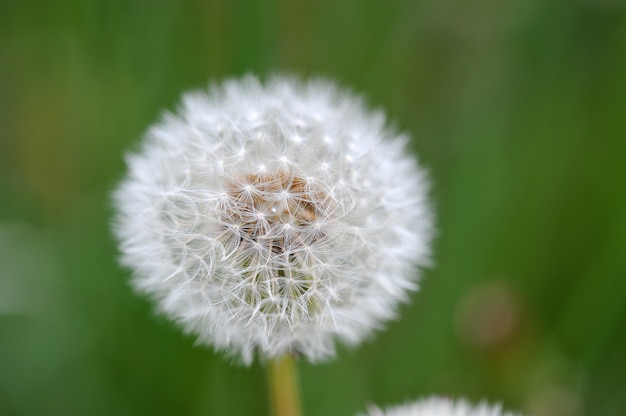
276	211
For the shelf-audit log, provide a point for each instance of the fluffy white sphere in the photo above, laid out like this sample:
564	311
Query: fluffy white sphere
438	406
274	218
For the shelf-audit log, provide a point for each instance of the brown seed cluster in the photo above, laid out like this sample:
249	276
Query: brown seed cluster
280	211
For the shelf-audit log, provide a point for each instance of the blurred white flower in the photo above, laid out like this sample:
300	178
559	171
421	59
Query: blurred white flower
274	218
439	406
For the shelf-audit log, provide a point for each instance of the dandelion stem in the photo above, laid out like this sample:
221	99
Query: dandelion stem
284	388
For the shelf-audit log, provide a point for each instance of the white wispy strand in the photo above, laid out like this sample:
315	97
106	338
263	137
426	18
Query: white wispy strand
274	217
439	406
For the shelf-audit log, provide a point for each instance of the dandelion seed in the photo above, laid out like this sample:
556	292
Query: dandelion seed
258	233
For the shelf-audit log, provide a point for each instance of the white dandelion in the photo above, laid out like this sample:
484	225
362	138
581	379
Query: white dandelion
274	218
439	406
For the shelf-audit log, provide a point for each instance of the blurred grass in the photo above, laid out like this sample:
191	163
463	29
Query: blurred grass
516	107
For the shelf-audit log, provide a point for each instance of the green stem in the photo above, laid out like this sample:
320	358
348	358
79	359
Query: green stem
284	388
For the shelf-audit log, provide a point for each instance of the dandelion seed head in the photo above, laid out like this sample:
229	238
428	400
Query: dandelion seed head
274	218
439	406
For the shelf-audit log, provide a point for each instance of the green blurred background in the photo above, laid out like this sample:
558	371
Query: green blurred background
517	107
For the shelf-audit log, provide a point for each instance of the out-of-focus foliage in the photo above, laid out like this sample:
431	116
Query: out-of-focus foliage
517	107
